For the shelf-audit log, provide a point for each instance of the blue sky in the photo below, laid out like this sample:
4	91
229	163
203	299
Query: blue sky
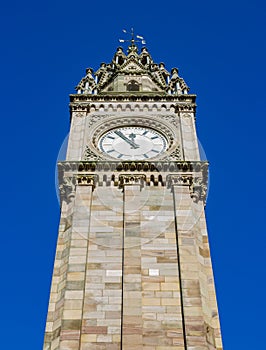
220	50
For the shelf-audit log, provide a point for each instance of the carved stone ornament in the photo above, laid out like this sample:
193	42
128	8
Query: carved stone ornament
132	166
176	179
132	179
139	64
176	155
113	173
68	186
80	114
67	189
197	185
87	180
96	118
90	155
172	119
198	189
112	121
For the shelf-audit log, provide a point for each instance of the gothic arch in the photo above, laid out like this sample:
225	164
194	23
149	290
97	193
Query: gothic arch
133	85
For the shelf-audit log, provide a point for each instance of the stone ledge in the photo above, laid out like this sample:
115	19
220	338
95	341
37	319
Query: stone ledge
119	174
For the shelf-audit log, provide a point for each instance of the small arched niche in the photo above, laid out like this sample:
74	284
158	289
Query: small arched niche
133	85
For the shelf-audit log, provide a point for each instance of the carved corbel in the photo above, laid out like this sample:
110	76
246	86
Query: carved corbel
131	179
197	186
67	189
179	180
87	180
198	190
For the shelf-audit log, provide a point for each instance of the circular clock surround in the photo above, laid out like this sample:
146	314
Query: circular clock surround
132	143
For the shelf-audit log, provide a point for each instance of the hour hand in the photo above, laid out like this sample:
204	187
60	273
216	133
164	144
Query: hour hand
130	142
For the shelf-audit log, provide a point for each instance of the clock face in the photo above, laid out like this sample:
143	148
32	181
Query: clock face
132	143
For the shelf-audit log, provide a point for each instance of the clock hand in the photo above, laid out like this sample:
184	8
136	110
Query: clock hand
130	142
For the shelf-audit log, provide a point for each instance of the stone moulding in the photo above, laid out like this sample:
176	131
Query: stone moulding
160	166
147	97
67	188
89	155
97	124
103	173
85	180
121	105
131	179
197	185
104	123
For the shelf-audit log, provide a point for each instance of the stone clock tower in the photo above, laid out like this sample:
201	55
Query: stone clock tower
132	267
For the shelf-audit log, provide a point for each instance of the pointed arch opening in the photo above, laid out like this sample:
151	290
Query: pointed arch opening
133	85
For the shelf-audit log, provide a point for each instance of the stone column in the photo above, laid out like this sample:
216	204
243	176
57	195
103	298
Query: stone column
207	287
56	302
151	313
161	301
189	137
72	315
132	296
187	221
101	318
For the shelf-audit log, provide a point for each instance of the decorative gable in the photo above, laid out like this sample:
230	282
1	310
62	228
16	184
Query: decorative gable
132	73
132	65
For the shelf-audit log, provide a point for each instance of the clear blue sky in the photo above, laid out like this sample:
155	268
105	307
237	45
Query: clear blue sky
220	50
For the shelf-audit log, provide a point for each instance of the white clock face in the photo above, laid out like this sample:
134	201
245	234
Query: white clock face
132	143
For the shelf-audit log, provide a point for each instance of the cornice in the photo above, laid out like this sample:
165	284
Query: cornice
177	105
160	166
108	173
129	96
84	108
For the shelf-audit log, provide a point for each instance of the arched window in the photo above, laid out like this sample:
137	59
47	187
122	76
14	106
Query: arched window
133	86
120	60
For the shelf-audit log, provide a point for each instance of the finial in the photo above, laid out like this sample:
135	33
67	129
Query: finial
133	40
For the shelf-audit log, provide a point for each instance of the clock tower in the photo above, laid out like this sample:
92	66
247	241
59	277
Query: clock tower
132	267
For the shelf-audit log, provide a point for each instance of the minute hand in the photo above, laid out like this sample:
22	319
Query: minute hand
130	142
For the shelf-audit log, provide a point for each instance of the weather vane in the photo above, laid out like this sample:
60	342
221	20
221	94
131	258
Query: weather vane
133	40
